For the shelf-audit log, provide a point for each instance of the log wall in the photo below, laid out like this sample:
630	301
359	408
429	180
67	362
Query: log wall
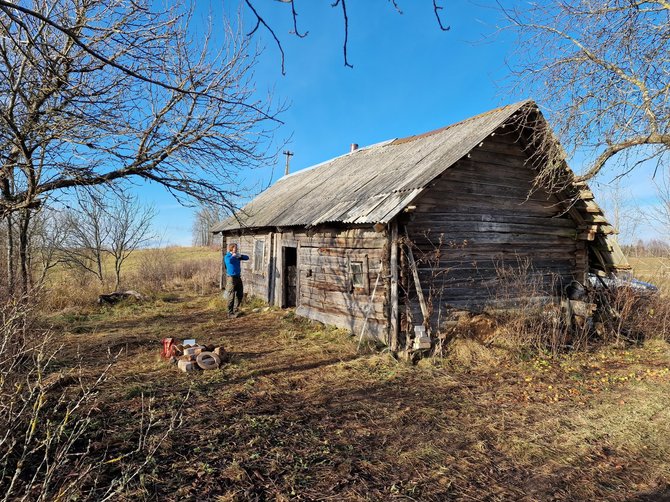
479	235
325	290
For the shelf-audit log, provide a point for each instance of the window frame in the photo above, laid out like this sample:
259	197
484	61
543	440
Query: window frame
364	286
259	262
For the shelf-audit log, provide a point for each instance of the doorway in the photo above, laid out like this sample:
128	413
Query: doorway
290	274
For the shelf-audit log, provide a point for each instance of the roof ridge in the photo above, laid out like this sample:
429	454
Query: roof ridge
426	134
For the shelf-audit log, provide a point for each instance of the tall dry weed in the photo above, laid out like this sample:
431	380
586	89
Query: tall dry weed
51	444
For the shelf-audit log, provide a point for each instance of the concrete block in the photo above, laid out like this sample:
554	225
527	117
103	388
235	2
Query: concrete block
187	366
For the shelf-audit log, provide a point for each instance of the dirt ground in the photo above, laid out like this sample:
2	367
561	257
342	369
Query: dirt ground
299	414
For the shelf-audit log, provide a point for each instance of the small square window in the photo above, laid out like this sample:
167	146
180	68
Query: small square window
357	278
259	256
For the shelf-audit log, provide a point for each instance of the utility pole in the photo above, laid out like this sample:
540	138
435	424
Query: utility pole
288	159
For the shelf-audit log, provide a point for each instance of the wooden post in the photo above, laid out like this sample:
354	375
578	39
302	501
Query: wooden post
417	284
393	265
222	278
278	272
270	268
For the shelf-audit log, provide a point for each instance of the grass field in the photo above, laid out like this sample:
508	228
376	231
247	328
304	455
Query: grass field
653	269
299	414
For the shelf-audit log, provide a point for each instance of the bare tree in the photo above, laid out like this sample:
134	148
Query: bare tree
95	92
623	212
205	218
601	71
48	236
100	227
658	215
129	224
88	232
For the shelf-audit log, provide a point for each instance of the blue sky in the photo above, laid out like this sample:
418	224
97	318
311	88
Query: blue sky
408	77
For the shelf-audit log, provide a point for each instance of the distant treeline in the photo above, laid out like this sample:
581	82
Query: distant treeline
652	247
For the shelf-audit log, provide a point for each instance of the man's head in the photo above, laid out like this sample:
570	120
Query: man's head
232	247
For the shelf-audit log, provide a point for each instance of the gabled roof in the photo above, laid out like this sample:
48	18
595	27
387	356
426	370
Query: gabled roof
371	184
374	184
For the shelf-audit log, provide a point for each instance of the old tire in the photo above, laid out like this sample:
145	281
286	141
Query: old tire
208	360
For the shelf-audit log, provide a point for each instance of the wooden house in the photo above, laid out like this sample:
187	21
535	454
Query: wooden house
396	234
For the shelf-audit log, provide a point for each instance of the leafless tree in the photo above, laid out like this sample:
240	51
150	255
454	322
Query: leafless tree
100	227
658	215
129	224
601	69
205	218
96	92
48	237
87	235
622	211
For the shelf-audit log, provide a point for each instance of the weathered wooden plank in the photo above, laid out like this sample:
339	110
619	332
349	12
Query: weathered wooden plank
481	155
448	217
357	298
477	206
487	226
393	264
332	275
375	329
341	242
341	252
460	188
509	149
466	243
417	284
357	310
453	256
473	173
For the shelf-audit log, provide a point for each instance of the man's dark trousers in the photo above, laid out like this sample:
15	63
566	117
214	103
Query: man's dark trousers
234	290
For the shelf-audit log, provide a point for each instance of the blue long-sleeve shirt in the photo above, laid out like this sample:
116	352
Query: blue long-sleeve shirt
233	263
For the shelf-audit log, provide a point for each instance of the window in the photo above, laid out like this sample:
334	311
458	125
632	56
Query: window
259	256
357	274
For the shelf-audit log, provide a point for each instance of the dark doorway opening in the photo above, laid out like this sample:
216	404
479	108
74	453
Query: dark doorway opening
290	277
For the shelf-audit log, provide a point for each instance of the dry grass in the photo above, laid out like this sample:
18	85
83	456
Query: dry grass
152	272
299	414
653	269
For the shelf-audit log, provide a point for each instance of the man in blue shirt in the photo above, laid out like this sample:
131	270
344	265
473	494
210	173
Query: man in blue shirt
234	288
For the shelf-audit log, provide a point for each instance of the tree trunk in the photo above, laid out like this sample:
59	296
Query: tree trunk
24	244
11	275
117	271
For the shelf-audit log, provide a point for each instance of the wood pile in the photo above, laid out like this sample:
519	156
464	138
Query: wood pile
194	357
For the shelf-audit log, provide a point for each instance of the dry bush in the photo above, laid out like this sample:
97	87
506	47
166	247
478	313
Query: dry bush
158	270
199	275
526	309
527	313
71	288
51	447
155	269
629	315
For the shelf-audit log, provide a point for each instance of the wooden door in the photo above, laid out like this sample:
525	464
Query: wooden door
290	276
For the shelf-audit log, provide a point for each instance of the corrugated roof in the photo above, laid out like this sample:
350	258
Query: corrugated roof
369	185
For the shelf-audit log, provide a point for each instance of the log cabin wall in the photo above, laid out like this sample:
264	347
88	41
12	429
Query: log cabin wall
337	269
478	233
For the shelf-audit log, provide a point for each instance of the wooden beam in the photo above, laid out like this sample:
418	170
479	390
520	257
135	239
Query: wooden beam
222	275
417	284
369	307
393	265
